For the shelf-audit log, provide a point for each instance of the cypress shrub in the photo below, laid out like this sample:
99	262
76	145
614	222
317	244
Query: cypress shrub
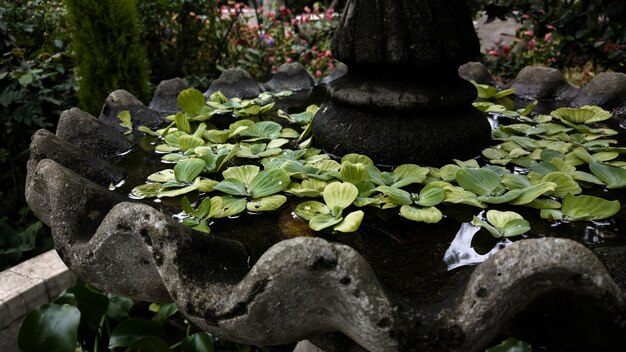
109	56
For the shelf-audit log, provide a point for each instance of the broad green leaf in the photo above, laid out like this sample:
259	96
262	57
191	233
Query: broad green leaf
586	177
277	143
480	181
515	228
203	209
188	169
178	191
551	214
262	131
499	219
182	123
565	184
476	221
204	184
162	176
269	182
147	190
118	307
142	334
431	195
511	345
231	186
458	195
585	114
429	215
533	192
125	121
309	209
396	195
503	198
407	174
218	97
357	159
245	173
544	203
469	164
198	342
186	206
190	142
320	222
351	222
50	327
266	203
226	206
588	208
163	311
448	172
340	194
353	173
191	101
515	181
164	148
611	176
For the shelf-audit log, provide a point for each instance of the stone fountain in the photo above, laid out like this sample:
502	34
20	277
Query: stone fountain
402	58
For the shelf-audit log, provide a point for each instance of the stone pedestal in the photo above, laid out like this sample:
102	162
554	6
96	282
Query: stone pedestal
402	100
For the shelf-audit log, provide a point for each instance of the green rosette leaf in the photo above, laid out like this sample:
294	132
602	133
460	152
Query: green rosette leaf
188	169
480	181
148	190
588	208
191	101
163	176
266	203
190	142
585	114
357	159
320	222
431	195
269	182
429	215
245	173
565	184
407	174
396	195
226	206
340	194
351	222
309	209
231	186
611	176
353	173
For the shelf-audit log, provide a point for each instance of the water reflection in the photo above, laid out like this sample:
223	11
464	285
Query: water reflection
461	252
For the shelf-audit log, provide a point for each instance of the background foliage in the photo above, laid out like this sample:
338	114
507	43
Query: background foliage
109	56
560	33
36	84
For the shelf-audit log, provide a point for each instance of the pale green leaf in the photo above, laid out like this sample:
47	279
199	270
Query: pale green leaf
307	210
191	101
269	182
188	169
245	173
320	222
588	208
351	222
340	194
266	203
429	215
611	176
479	181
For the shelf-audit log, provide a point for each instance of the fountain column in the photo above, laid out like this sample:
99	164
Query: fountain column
402	100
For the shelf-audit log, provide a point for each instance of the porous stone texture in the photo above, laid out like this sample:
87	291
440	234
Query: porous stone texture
26	286
544	84
46	145
607	89
477	72
409	32
141	115
292	76
90	135
235	83
430	138
165	97
403	58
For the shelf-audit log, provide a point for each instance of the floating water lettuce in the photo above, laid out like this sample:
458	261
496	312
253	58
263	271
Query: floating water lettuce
585	114
125	121
611	176
337	196
503	223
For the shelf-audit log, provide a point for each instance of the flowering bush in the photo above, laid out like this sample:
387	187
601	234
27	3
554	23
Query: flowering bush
198	39
526	48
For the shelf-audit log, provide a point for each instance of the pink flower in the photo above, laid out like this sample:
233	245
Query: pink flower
506	49
550	27
551	60
531	44
493	52
528	33
548	37
318	73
